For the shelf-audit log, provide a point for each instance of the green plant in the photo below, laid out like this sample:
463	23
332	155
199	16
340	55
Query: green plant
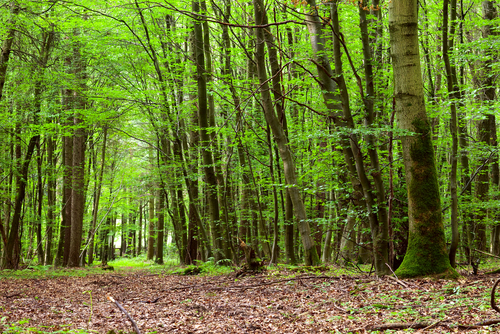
91	306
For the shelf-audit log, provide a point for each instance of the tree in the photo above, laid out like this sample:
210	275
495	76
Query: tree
263	37
426	253
205	140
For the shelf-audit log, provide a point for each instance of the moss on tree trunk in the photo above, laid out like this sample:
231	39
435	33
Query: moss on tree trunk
426	253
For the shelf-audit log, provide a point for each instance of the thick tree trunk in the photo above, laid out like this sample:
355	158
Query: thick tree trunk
426	253
77	193
486	84
79	143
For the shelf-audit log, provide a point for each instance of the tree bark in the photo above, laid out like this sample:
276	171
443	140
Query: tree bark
426	253
79	143
310	254
11	260
151	229
77	193
7	45
205	142
448	44
97	196
160	207
51	199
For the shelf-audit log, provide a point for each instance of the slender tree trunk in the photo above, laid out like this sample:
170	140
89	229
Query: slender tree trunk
203	118
151	229
12	248
310	254
139	224
381	230
38	221
160	207
426	253
66	204
448	44
51	199
97	196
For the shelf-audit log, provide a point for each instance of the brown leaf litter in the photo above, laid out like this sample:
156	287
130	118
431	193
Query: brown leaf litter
267	303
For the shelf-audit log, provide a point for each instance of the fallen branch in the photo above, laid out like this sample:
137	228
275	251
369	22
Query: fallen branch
398	281
492	301
486	253
400	325
126	313
488	322
428	327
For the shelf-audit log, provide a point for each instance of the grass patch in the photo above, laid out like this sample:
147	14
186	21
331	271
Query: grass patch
208	268
22	326
121	264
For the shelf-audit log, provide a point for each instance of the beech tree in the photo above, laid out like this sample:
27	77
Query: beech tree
426	252
281	133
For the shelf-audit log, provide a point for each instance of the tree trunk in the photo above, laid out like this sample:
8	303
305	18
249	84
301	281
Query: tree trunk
310	254
7	45
77	193
78	179
38	219
160	207
203	119
97	196
139	224
51	198
12	248
66	204
486	84
448	44
151	229
426	253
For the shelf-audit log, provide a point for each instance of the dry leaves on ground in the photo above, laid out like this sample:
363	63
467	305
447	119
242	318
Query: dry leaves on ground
268	303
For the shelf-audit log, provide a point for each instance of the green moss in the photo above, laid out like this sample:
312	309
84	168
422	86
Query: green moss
426	254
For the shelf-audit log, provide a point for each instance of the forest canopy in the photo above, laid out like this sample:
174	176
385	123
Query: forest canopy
329	131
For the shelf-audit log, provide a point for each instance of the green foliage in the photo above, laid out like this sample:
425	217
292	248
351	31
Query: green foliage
208	268
22	326
143	100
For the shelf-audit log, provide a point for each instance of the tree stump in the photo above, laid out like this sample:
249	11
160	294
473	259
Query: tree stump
252	263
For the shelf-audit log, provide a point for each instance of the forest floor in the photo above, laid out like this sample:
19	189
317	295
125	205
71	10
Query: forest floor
272	302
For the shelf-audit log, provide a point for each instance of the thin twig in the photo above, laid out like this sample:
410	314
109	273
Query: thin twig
126	313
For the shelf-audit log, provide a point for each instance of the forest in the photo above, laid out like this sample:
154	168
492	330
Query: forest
346	132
